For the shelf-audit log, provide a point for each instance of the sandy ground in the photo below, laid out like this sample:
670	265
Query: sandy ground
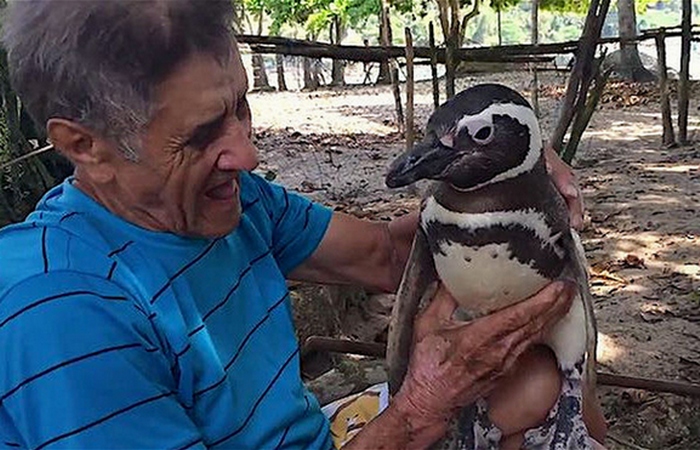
642	232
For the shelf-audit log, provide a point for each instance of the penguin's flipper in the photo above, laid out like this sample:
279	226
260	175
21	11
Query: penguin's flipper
418	279
578	270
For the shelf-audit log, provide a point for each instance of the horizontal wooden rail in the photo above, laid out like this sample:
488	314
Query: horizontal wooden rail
311	49
378	350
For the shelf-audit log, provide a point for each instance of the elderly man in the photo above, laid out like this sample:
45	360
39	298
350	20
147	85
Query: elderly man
144	303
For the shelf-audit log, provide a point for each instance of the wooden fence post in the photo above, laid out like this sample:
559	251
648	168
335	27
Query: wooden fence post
433	66
667	138
409	89
684	81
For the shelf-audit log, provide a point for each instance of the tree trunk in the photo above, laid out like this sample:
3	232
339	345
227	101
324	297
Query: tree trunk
630	66
454	42
393	71
500	39
311	81
535	37
683	82
383	77
338	67
281	81
450	30
260	81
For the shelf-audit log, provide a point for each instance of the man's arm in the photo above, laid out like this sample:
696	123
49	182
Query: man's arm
356	251
454	363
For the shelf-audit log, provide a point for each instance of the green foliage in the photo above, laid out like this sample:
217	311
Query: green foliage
316	15
22	184
327	11
281	12
502	5
581	6
575	6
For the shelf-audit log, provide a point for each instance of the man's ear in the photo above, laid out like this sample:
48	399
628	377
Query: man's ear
73	140
91	154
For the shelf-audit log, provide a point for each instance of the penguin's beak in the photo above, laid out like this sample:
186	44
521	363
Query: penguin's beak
424	160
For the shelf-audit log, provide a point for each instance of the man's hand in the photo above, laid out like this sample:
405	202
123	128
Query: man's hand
454	363
565	181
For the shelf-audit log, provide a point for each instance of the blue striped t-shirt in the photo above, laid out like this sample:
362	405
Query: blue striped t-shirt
113	336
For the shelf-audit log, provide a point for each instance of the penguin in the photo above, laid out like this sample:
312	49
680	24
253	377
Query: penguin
494	230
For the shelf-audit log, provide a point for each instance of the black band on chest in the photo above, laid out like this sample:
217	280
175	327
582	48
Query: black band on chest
524	244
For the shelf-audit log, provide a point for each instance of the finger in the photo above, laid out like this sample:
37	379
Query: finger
536	329
575	206
568	187
443	305
559	299
527	320
516	351
542	304
437	314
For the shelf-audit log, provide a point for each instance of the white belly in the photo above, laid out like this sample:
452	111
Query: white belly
485	279
482	284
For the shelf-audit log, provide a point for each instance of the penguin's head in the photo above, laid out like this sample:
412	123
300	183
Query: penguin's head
483	135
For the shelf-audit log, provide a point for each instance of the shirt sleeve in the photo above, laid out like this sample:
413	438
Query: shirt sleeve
297	224
81	368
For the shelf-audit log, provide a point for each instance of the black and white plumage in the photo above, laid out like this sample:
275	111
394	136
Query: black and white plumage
495	230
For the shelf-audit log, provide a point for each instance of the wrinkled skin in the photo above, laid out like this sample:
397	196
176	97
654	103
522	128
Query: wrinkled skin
198	139
454	363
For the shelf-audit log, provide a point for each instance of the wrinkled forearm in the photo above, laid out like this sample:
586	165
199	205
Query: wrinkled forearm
371	254
397	429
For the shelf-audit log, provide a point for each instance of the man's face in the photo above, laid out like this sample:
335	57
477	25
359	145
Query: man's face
199	138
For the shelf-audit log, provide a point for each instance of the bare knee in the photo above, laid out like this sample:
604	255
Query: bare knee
523	399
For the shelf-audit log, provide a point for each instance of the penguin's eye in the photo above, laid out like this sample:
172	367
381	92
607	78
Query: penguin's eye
484	135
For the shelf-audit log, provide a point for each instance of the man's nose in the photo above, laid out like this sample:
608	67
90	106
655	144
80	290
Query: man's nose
236	150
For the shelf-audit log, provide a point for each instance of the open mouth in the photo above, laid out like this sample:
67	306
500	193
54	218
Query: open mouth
224	191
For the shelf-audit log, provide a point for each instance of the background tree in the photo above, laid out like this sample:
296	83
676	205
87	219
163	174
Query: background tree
360	11
454	16
291	13
256	8
683	85
630	66
332	15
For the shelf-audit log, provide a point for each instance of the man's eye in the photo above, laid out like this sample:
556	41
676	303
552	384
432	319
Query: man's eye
198	140
205	134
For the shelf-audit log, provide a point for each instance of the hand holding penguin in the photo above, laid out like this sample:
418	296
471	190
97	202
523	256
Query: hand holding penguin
565	181
453	363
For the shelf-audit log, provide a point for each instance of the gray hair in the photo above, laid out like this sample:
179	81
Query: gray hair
98	62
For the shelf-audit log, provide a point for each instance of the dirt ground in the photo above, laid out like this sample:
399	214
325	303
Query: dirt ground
642	232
